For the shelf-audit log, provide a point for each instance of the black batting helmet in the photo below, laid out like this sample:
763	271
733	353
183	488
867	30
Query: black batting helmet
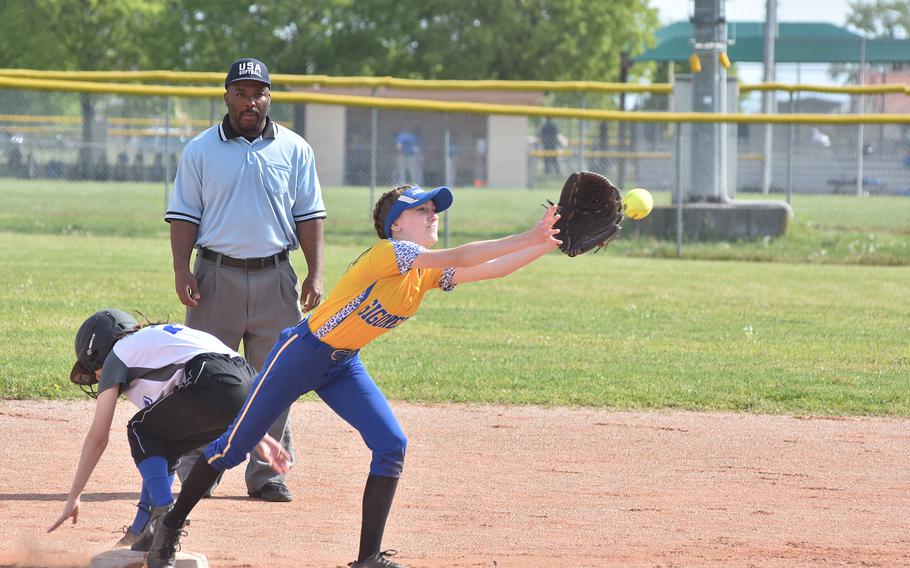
94	341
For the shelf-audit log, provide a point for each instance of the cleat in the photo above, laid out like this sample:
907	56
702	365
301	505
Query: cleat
144	541
163	551
378	560
128	539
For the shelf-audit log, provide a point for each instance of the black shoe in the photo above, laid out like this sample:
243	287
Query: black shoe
378	560
273	492
165	544
144	541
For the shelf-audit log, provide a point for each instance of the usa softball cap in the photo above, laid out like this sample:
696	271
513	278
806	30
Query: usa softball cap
247	69
414	196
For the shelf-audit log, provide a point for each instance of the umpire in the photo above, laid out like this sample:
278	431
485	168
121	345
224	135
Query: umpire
245	195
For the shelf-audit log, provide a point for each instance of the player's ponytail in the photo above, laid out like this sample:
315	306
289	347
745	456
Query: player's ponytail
382	207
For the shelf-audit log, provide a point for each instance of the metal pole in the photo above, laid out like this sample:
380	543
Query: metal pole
709	35
167	157
721	163
581	138
30	162
798	96
625	64
881	109
621	143
447	139
859	127
770	33
374	142
677	156
790	154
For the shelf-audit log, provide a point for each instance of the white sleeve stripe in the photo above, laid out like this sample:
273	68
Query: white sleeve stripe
170	215
308	216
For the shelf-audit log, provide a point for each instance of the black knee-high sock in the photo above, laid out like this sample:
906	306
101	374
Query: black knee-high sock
201	477
377	501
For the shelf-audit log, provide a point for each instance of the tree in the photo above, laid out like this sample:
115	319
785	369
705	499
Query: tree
206	35
472	39
78	35
881	18
877	19
428	39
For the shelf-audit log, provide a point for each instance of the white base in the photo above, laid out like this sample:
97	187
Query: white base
126	558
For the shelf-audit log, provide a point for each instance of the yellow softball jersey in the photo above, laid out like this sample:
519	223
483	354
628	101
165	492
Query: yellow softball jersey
376	294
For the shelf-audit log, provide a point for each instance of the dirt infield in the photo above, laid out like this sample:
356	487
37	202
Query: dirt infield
497	486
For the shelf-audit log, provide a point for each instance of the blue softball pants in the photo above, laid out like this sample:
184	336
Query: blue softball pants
300	363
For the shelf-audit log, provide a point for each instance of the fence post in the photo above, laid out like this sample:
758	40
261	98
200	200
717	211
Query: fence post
790	154
374	140
31	166
859	127
447	140
677	174
581	138
769	98
167	155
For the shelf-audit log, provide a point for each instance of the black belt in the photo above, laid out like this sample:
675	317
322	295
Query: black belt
343	354
337	355
244	263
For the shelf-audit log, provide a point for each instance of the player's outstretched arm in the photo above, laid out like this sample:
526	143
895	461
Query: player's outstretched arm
92	449
479	252
503	266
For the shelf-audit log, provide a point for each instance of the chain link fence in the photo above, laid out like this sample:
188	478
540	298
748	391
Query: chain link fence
82	136
805	158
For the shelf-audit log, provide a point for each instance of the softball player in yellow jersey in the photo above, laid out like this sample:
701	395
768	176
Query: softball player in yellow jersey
380	290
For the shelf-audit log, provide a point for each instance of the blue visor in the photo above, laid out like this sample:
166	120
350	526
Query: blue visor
414	196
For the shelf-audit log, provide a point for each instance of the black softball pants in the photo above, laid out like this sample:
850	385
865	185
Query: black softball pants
195	413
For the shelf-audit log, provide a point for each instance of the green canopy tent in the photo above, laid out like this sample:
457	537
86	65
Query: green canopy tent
798	42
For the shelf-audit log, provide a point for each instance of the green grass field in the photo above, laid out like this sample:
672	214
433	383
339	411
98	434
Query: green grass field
808	335
826	229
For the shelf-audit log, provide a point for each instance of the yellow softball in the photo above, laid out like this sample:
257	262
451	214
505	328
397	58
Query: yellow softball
637	203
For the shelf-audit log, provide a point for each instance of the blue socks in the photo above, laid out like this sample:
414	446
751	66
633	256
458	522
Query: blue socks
157	481
142	514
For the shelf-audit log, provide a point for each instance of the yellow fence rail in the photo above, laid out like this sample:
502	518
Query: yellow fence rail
895	88
344	82
430	84
456	107
75	120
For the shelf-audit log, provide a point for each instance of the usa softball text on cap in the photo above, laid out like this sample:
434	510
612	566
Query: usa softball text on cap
249	68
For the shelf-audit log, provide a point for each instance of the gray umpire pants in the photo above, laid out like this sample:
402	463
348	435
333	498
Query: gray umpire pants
253	306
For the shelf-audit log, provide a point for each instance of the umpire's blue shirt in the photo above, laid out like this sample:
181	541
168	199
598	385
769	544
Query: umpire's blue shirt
246	197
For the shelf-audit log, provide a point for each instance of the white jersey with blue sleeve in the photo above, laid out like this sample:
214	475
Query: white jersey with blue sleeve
148	363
